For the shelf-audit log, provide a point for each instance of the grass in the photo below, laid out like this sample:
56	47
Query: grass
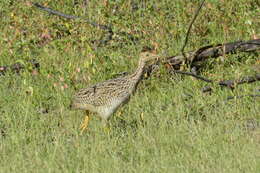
183	130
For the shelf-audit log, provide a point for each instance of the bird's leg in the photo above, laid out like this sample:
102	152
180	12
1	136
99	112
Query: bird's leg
84	125
106	126
142	118
119	114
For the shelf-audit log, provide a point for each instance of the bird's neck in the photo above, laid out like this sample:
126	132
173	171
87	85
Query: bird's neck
136	76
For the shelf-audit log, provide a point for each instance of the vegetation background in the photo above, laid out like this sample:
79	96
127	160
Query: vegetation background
183	130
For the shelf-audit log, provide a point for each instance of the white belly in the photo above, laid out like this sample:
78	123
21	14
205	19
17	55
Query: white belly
106	111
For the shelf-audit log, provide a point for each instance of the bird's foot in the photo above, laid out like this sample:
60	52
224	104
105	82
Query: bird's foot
106	126
107	130
119	114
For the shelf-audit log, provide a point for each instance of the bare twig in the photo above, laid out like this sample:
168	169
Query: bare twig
17	67
193	75
107	28
94	24
210	51
54	12
227	83
241	96
247	79
189	29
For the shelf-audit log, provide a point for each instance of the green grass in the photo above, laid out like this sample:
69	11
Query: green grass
183	129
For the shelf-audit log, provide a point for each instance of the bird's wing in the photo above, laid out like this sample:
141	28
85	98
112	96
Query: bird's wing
103	92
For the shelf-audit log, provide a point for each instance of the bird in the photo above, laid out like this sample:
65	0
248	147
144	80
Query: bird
104	98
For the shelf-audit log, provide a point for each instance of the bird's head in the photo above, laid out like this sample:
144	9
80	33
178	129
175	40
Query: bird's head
148	56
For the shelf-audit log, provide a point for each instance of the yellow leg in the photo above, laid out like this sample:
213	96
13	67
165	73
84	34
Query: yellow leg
84	125
119	114
142	117
106	126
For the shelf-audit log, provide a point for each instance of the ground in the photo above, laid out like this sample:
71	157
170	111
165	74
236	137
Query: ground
168	126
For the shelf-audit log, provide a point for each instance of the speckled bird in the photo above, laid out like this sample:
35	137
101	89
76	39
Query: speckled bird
106	97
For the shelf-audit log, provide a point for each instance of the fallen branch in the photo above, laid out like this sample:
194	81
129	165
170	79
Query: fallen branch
54	12
189	28
107	28
247	79
195	57
241	96
17	67
94	24
227	83
193	75
232	83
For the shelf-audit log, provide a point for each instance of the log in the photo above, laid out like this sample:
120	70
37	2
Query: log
204	53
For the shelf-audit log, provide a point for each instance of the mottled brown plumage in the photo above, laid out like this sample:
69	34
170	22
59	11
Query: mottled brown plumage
105	98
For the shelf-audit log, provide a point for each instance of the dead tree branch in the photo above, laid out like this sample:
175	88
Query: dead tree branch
233	83
54	12
189	29
204	53
107	28
242	96
226	83
18	67
94	24
193	75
